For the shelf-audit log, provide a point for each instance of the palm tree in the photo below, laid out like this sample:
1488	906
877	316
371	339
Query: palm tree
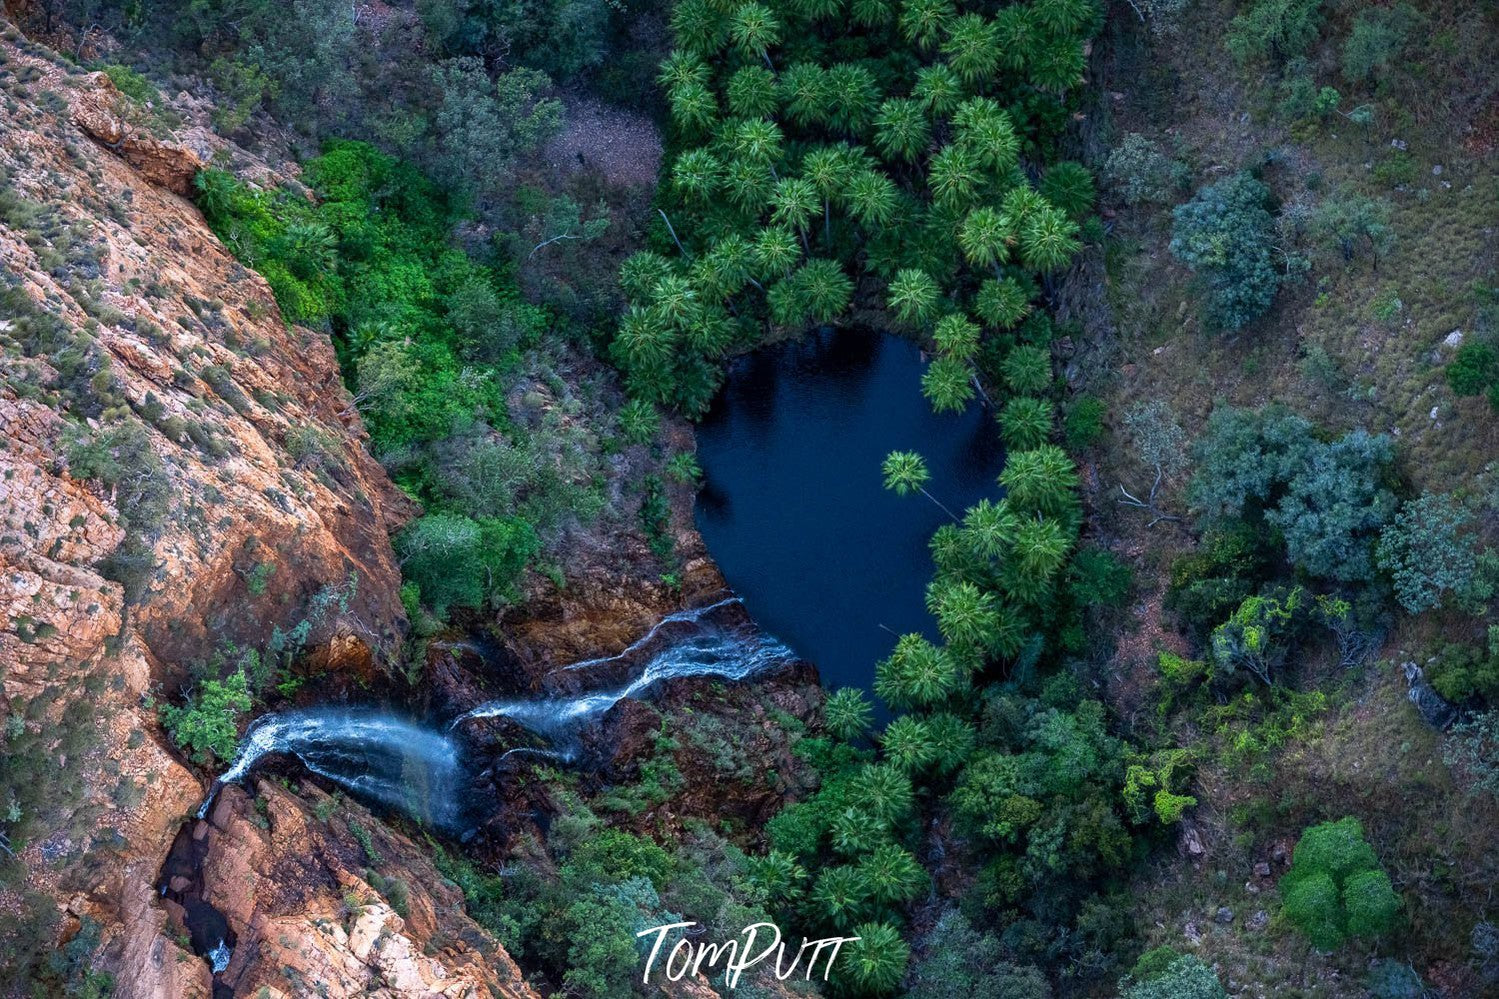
729	265
645	346
1027	369
989	131
1042	480
917	674
1021	203
640	272
825	289
956	336
953	176
776	251
906	472
1002	303
947	384
965	614
924	21
1063	17
807	93
847	713
901	128
907	745
818	10
914	296
1017	34
697	173
1048	240
984	237
939	88
682	67
1041	547
855	93
872	13
698	26
755	28
840	894
792	204
1025	423
693	106
788	305
776	874
674	300
753	93
952	740
828	168
877	958
872	197
855	832
759	141
894	875
988	528
884	793
972	48
1069	186
748	185
1057	64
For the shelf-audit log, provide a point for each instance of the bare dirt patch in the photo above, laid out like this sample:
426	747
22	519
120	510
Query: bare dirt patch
622	145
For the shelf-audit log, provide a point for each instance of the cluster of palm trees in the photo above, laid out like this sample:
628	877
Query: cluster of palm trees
820	141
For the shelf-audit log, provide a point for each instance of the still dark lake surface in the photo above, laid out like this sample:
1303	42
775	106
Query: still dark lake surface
793	506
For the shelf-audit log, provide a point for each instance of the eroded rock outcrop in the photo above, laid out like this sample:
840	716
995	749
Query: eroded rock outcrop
319	898
180	472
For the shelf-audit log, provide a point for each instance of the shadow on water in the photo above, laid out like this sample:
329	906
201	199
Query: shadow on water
793	508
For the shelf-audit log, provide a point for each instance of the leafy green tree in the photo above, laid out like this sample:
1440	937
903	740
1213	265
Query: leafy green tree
1003	303
956	337
938	87
207	722
884	793
1274	30
1258	634
1179	976
807	93
1428	551
877	960
985	237
907	744
963	963
954	175
1474	370
639	420
893	875
1227	234
457	561
1336	888
776	874
1140	173
925	21
1378	37
872	198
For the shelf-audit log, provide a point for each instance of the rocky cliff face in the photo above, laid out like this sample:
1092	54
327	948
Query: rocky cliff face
179	471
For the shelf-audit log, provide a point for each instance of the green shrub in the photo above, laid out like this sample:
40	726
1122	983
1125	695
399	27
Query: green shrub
1227	235
1140	173
1335	887
877	960
1083	424
1378	37
461	562
1472	748
1164	974
1474	370
1274	30
207	722
1429	552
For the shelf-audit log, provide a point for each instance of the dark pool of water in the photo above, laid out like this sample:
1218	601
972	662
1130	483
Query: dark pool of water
793	506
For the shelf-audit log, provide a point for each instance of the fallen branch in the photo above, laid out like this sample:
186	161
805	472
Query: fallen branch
1148	504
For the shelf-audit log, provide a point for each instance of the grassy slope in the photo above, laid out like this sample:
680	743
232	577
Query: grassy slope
1369	755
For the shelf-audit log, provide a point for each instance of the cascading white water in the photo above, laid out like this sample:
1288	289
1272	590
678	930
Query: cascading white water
414	768
389	759
731	653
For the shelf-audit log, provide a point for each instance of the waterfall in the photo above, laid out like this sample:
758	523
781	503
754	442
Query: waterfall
379	756
731	653
417	769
